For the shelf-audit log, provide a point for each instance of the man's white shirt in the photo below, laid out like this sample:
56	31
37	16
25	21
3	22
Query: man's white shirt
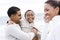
14	32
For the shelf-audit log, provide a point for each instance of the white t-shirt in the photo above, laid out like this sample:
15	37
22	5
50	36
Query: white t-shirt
54	33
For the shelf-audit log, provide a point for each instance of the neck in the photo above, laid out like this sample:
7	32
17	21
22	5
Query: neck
15	21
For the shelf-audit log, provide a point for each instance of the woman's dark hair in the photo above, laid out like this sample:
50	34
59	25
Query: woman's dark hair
26	12
12	10
54	4
59	8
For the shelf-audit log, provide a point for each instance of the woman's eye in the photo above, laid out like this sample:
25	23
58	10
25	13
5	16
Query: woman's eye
46	10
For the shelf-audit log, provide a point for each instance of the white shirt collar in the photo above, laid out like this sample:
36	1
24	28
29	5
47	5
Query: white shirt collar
56	17
11	22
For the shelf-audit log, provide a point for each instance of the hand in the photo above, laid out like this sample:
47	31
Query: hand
35	38
34	30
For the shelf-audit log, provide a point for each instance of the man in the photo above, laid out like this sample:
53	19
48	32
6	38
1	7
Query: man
13	29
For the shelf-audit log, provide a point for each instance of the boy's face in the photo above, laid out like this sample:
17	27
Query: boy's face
30	16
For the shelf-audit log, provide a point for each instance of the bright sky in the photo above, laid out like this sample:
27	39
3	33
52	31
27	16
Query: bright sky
36	5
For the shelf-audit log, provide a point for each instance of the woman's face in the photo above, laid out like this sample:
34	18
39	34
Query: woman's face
29	16
50	12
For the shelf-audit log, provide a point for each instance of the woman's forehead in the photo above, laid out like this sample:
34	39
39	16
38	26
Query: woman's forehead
47	6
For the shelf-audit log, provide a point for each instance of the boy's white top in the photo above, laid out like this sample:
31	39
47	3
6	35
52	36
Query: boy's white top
14	32
26	27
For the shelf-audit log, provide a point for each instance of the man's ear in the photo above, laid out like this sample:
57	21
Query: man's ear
12	16
57	10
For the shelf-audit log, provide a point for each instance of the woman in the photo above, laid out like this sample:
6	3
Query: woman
28	23
52	12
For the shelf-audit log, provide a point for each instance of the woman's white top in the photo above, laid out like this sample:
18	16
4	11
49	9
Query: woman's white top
54	29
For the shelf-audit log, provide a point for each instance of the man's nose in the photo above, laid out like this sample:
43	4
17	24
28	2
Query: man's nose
20	17
46	14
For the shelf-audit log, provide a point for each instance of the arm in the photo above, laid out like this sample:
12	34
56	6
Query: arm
15	31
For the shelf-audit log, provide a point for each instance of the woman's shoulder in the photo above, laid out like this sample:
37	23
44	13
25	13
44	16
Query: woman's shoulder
56	19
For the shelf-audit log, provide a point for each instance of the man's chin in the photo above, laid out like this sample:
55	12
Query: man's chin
47	21
18	21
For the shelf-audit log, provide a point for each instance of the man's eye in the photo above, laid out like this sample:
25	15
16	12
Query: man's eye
19	15
47	10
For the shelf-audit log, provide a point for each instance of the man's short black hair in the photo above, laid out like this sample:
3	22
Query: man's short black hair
12	10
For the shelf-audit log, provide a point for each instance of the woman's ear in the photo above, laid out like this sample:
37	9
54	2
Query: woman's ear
57	10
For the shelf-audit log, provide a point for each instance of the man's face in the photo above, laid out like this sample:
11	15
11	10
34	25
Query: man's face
30	16
16	17
50	12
